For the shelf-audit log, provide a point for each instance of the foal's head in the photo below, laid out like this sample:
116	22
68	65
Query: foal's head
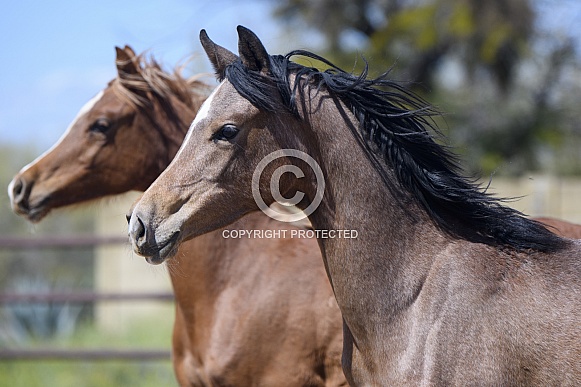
208	184
117	142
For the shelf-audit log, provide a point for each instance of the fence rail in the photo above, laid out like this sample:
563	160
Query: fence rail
82	297
84	354
66	354
58	241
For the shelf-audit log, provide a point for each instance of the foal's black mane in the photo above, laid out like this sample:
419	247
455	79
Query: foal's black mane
395	126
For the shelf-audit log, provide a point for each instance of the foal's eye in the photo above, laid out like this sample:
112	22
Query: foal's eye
100	126
226	133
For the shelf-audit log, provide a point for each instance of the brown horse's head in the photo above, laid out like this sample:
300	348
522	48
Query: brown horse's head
120	140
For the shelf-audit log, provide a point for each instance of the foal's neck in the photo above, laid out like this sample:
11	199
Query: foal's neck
380	272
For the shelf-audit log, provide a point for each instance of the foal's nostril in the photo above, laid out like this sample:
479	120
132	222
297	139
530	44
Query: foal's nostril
139	230
142	236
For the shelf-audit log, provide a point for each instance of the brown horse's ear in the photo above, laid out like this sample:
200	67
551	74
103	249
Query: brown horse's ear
130	76
125	61
129	51
218	55
252	52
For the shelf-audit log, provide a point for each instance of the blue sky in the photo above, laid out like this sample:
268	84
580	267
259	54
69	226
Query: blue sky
57	54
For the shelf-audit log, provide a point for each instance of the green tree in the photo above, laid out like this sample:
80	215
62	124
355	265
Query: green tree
492	34
488	64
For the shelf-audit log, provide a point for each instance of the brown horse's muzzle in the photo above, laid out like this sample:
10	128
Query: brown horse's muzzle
22	202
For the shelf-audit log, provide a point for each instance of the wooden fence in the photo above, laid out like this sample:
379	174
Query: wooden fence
539	196
84	241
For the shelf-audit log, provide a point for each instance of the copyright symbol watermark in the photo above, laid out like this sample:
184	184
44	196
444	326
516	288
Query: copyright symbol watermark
275	187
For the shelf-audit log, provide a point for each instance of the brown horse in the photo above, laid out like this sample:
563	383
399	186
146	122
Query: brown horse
561	227
441	284
248	311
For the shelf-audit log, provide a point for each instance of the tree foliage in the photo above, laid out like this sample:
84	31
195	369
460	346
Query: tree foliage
490	65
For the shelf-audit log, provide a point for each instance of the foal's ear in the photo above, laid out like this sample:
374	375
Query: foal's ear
218	55
252	52
125	61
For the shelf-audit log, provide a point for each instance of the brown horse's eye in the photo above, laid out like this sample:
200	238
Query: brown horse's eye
100	126
226	133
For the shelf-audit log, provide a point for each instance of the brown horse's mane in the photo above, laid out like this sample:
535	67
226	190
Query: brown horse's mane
151	77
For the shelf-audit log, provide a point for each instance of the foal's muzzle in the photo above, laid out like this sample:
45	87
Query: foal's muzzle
156	249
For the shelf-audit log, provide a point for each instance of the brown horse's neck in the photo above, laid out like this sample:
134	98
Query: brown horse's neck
172	118
211	267
380	272
194	271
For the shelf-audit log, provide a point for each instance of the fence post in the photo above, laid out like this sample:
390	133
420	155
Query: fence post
119	270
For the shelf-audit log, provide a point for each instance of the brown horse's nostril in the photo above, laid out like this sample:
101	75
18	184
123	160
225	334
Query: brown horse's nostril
17	187
20	193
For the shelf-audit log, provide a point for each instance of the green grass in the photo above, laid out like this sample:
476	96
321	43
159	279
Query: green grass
148	333
81	374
